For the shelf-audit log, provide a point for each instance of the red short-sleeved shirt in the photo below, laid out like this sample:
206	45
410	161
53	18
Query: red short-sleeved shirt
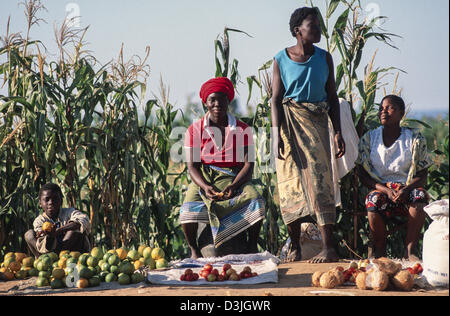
206	142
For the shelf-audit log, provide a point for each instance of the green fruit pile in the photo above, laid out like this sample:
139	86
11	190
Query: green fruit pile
73	269
70	269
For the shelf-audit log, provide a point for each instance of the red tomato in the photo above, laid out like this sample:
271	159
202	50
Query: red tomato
220	278
188	271
243	275
215	272
418	268
411	270
194	276
224	274
254	274
226	266
208	267
188	277
183	277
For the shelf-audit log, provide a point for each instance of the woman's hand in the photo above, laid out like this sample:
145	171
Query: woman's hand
340	145
402	195
211	193
229	192
278	146
392	195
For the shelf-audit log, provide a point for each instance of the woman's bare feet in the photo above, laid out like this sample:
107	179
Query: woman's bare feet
195	253
411	257
326	255
294	253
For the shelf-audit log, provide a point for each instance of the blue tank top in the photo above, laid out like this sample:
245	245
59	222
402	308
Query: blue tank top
304	82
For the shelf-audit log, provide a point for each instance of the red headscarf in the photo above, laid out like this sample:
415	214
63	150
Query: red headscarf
220	84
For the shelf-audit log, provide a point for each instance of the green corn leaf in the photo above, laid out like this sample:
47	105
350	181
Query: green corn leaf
332	7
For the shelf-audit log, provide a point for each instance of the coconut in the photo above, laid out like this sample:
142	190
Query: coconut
339	275
403	280
328	280
361	281
316	278
377	280
387	266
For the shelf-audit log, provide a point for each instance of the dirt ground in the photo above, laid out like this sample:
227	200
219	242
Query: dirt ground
294	280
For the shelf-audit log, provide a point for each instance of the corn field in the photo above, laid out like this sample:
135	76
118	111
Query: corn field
89	128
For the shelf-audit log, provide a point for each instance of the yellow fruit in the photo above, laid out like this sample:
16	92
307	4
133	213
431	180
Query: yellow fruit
20	256
113	251
133	255
28	262
47	227
14	266
147	252
141	249
138	264
121	253
63	252
2	269
97	252
62	263
75	254
157	253
82	283
8	261
161	263
10	255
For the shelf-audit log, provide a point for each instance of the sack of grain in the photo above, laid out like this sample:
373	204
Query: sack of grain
435	245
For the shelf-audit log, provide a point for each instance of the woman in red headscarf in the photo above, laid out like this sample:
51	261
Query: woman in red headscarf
220	155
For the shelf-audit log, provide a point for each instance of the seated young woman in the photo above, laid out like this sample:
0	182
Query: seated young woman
393	163
220	153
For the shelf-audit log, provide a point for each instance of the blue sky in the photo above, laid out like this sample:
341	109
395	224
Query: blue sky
181	36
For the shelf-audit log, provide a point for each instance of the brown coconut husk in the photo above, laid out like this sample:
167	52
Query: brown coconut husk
316	278
387	266
403	280
328	280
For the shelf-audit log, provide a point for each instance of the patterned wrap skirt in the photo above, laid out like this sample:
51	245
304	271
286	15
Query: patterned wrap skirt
227	218
305	180
379	202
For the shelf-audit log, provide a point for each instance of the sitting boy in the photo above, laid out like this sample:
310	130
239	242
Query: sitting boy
69	227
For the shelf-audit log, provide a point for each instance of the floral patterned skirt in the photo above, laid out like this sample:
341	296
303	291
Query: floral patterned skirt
379	202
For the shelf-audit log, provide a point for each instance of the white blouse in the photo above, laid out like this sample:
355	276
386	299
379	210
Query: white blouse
391	164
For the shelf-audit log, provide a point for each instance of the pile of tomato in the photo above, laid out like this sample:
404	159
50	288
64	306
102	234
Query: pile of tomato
211	274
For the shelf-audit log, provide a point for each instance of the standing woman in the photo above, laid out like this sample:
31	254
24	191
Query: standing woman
304	99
